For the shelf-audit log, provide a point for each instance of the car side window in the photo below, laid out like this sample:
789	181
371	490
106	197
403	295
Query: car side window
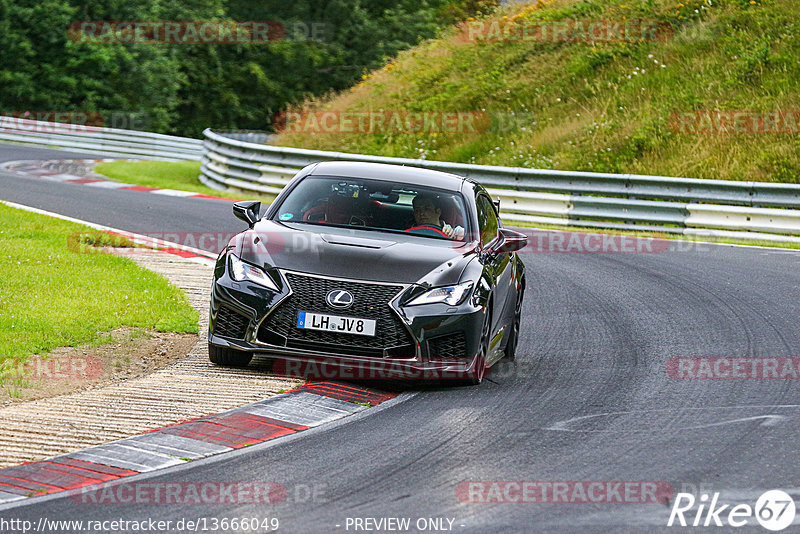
487	220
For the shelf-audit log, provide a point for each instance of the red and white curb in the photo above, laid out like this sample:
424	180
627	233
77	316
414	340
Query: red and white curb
305	407
39	170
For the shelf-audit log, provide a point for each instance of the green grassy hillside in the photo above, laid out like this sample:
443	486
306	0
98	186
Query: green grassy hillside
558	100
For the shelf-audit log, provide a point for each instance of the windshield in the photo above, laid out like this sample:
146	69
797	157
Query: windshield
375	205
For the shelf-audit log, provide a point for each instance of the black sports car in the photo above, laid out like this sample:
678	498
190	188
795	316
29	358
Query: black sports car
365	270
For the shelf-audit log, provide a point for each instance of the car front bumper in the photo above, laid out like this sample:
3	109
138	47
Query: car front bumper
432	330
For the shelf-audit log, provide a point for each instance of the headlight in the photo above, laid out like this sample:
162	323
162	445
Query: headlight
241	271
452	295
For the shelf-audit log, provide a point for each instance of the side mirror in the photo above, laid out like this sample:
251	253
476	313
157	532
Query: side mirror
247	211
509	241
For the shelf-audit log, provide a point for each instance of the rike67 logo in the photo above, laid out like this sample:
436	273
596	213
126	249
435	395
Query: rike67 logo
774	510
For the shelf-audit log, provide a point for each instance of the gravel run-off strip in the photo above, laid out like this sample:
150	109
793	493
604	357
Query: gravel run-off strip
190	388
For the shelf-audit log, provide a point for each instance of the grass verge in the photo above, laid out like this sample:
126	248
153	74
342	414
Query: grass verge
606	105
58	291
180	175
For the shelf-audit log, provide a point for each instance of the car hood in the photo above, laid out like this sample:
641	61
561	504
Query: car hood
357	254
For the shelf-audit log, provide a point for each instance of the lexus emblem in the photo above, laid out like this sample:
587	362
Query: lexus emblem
339	298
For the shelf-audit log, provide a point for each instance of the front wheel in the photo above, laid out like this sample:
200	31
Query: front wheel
475	375
228	357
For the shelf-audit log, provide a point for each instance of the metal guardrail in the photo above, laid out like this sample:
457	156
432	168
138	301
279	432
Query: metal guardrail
239	161
105	141
746	210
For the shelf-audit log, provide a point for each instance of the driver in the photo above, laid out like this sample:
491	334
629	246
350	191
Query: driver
427	217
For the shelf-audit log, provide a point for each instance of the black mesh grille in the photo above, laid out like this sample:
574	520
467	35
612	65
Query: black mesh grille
371	302
449	347
230	324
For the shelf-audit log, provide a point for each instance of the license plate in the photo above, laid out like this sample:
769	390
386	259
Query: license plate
336	323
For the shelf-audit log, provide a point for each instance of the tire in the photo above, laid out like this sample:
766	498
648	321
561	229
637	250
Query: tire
228	357
475	376
513	340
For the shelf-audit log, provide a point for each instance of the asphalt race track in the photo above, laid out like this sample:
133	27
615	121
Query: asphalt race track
137	212
589	398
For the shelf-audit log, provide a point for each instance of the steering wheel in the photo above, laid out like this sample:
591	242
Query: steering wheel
316	213
424	229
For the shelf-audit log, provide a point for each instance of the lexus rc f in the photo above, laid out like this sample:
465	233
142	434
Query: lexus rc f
374	271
